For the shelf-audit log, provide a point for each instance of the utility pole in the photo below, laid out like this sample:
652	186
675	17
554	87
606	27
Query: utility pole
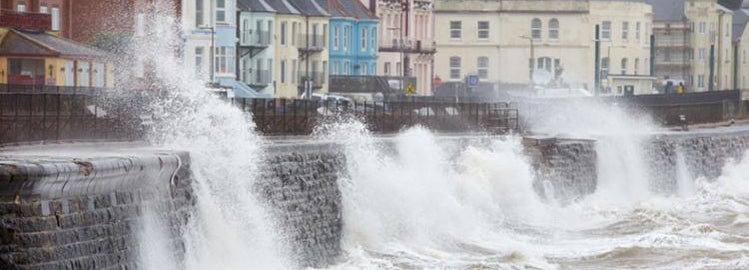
597	87
712	68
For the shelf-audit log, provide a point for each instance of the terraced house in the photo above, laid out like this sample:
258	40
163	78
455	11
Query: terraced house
257	51
301	54
353	38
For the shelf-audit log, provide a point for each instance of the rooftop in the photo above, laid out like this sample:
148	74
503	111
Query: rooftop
39	43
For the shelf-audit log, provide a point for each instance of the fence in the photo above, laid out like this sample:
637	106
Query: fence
299	117
30	117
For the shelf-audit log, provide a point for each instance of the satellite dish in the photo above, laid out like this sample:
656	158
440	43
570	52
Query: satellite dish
541	77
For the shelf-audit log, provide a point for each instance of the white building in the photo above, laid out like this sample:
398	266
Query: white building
505	41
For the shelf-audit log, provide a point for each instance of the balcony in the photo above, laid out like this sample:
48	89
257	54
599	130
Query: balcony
256	39
25	20
318	79
410	46
310	43
368	84
259	78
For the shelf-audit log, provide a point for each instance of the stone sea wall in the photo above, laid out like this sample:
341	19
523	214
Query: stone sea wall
84	213
300	182
703	155
69	213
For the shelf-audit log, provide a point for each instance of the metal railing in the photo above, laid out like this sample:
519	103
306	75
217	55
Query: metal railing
64	116
260	77
369	84
301	117
310	42
255	38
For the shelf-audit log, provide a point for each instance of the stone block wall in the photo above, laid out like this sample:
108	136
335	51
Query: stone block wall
704	155
67	213
565	169
300	182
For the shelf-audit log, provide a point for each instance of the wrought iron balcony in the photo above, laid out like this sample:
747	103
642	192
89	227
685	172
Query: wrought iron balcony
260	78
318	78
310	42
410	46
254	38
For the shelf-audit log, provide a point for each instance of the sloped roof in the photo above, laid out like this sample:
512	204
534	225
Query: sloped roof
333	7
357	10
740	20
309	7
17	42
255	5
283	7
666	10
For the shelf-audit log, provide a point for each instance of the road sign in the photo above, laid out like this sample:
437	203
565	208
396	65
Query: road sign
410	89
437	82
472	81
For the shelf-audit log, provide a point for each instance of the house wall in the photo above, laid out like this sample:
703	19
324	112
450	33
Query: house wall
248	71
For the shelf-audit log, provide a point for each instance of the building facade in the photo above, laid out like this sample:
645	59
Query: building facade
59	11
257	44
407	37
506	42
694	43
32	55
353	38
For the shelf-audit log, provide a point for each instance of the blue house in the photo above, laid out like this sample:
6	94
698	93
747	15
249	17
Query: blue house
353	38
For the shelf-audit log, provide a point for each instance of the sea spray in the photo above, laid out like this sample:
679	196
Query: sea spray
407	195
230	228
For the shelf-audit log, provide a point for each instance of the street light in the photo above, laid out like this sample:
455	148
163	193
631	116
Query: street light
531	61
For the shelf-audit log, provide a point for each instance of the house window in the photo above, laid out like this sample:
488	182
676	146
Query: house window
224	61
324	70
283	33
455	67
364	69
43	8
220	10
346	68
637	66
701	53
606	29
199	61
314	35
336	31
483	30
482	65
554	29
324	35
605	67
373	38
55	18
536	28
625	30
455	29
21	6
624	66
336	68
198	13
701	81
293	33
637	31
398	68
386	69
703	27
294	74
140	24
283	71
364	39
647	66
346	30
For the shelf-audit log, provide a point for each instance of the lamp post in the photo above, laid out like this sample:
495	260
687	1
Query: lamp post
531	61
401	50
